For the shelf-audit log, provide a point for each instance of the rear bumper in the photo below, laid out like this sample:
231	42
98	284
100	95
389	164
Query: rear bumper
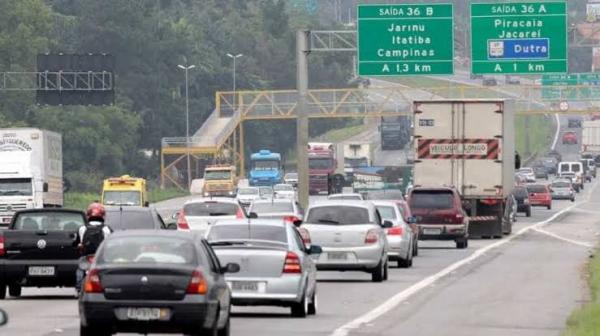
442	231
540	202
282	291
16	272
397	247
358	258
523	207
188	315
563	196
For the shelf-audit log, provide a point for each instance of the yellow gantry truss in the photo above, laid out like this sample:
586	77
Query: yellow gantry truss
221	139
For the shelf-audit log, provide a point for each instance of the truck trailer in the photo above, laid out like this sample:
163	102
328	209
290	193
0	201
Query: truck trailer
590	139
468	145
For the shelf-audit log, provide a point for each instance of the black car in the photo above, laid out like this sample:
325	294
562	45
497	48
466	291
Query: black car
40	249
133	218
522	197
148	281
489	81
574	122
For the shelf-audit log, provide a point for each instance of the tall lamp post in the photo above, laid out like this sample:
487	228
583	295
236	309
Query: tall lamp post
187	122
234	57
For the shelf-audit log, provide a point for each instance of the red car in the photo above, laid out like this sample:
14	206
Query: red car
569	138
540	195
412	222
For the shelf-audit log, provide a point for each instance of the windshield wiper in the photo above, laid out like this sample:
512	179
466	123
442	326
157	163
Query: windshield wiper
328	221
226	243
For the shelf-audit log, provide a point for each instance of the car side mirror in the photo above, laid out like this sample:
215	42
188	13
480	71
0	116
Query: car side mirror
297	223
3	317
252	215
172	226
387	224
230	268
412	220
45	187
315	249
84	263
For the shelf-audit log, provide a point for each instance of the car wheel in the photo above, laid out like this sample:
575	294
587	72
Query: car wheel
416	248
573	199
549	207
2	291
528	213
378	273
14	290
225	331
313	305
386	269
407	262
462	243
300	309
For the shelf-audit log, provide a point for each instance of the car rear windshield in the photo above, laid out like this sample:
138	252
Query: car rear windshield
432	199
272	207
561	185
252	231
209	209
386	212
338	215
64	221
536	189
129	220
147	250
520	192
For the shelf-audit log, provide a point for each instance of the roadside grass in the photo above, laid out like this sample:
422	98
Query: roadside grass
540	133
339	135
586	320
80	201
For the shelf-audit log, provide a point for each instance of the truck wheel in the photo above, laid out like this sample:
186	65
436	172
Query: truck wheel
528	214
462	243
14	290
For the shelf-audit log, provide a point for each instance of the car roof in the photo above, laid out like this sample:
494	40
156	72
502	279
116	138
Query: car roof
352	203
155	233
254	221
384	203
63	210
128	209
212	200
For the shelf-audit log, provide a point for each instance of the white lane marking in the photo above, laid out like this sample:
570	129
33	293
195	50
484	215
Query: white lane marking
557	131
400	297
554	235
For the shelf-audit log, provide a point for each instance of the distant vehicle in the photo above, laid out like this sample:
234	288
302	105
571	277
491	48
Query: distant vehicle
569	138
247	195
284	191
571	178
440	215
555	154
587	172
219	181
510	214
291	178
148	282
512	80
125	191
522	197
395	132
528	173
385	194
562	189
575	168
266	168
412	223
352	236
43	250
133	218
592	166
475	76
266	192
31	173
520	179
399	236
199	214
325	162
574	123
489	81
539	195
284	209
358	154
346	197
550	164
281	271
540	172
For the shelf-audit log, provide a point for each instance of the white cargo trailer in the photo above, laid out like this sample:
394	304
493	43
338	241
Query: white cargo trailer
590	138
31	172
468	145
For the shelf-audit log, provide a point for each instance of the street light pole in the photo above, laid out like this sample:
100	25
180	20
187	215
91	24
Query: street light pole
187	122
234	57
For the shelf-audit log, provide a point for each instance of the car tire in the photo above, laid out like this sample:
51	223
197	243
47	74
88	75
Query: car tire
313	305
407	262
528	212
549	207
377	275
2	291
462	243
416	248
573	199
300	309
14	290
93	331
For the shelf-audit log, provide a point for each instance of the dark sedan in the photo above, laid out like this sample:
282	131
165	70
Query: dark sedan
146	281
522	197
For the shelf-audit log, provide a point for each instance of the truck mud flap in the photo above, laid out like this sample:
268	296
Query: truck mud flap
486	228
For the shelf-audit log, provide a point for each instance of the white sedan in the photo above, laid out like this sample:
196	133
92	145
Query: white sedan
284	191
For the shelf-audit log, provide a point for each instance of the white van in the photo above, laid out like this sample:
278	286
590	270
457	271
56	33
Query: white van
572	168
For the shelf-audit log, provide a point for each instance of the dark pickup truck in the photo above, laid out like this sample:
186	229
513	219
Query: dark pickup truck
40	249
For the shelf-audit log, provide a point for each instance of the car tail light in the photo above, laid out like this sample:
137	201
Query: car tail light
305	236
290	219
2	250
240	214
457	218
197	284
371	237
292	264
92	282
490	201
182	223
395	231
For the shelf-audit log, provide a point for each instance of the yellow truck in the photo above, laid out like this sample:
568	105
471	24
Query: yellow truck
125	190
219	180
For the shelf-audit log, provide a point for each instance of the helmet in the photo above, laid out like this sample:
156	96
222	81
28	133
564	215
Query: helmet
96	211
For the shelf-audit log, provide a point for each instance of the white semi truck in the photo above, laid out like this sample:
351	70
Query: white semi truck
590	138
358	154
31	173
468	145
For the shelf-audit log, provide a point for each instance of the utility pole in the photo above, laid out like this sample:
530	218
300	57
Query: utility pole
187	122
302	51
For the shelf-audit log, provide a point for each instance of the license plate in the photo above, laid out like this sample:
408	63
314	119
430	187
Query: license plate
6	220
41	270
432	231
146	314
244	286
337	256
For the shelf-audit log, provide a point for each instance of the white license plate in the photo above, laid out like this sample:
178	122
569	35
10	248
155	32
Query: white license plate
41	271
146	314
337	255
432	231
6	220
244	286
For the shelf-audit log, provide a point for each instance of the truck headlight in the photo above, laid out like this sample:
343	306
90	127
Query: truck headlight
231	193
206	194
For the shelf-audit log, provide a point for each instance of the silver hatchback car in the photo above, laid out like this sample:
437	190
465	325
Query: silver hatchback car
275	266
400	236
352	236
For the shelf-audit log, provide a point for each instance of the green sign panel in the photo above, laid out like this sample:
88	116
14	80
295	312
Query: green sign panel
583	86
395	40
519	38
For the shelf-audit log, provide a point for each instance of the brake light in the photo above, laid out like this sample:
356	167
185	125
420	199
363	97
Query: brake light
395	231
292	264
182	223
305	236
371	237
490	201
457	218
240	214
197	284
92	282
2	250
290	219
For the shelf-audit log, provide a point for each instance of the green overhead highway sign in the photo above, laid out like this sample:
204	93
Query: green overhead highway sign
519	38
582	86
405	39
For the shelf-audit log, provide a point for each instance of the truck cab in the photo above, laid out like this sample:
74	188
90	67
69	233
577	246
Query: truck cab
219	180
125	191
266	168
324	166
